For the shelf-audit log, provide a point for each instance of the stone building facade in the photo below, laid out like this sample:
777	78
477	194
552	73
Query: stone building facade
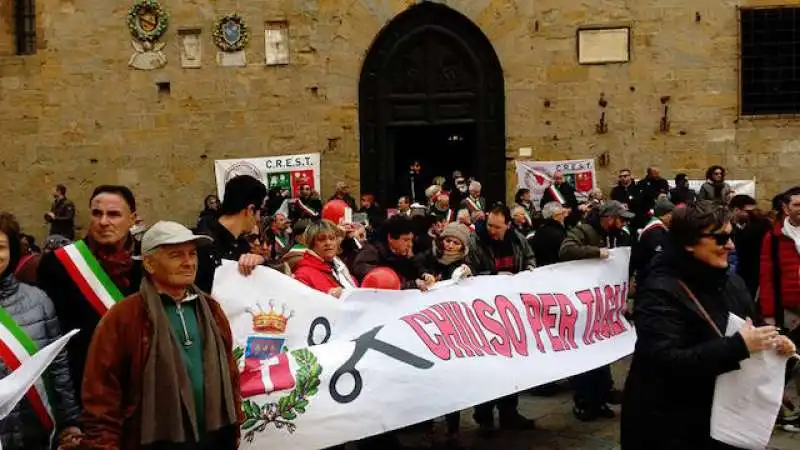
75	112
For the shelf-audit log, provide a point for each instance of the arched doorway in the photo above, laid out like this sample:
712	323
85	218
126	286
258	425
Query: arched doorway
432	90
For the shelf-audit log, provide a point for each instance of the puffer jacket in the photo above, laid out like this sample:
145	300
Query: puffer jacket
34	313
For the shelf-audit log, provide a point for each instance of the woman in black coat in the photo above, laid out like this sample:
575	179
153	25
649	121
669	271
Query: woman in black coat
679	353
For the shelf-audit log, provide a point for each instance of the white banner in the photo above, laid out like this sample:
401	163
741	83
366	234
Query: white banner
538	175
288	172
389	359
745	187
14	386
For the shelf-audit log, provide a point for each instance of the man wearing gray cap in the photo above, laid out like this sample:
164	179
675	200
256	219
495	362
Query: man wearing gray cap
160	370
597	234
592	239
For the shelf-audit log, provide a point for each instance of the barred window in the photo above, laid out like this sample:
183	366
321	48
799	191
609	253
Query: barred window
770	61
25	26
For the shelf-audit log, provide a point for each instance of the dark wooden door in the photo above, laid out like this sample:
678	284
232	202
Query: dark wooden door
431	66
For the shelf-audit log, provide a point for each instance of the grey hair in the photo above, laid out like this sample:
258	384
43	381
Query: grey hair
317	228
550	209
515	209
475	186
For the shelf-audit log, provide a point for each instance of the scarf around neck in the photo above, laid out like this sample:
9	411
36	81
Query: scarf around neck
792	232
447	258
118	264
168	412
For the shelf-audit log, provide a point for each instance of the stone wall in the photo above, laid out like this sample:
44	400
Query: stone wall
75	113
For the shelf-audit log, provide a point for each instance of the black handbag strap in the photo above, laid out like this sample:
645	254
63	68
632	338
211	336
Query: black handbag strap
700	309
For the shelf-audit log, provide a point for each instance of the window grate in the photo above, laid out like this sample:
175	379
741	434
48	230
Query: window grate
770	51
25	15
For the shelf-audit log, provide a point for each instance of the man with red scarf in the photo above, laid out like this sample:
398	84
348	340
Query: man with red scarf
86	278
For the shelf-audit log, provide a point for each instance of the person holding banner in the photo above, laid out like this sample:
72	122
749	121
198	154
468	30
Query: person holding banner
86	278
240	213
681	313
497	248
601	231
161	373
320	268
28	323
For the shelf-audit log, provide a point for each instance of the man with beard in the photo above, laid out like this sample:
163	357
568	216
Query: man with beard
594	390
86	278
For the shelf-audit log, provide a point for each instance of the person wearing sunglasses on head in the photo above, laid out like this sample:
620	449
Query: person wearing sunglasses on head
682	312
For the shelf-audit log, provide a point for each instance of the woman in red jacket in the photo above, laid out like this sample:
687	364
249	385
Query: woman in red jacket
320	268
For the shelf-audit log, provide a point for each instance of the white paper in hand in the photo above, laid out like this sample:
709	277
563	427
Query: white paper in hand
747	401
15	385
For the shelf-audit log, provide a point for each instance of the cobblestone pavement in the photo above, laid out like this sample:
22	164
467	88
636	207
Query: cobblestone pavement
556	428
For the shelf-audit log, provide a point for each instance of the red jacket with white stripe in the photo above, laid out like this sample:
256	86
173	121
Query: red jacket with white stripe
789	263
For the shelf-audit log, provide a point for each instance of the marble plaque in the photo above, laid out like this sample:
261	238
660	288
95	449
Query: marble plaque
276	39
604	46
191	49
232	59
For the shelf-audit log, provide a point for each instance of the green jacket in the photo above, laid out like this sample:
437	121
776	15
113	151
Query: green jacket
583	241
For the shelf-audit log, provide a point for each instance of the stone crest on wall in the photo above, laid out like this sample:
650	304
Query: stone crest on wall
231	35
147	21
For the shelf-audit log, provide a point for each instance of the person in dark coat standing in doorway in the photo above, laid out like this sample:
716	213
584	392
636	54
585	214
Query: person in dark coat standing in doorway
681	313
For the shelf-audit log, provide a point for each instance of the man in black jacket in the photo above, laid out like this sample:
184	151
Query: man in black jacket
652	239
62	214
546	243
682	193
86	278
498	249
749	229
650	188
393	250
626	191
240	213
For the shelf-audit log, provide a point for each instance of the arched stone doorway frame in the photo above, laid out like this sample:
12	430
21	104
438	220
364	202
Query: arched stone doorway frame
380	108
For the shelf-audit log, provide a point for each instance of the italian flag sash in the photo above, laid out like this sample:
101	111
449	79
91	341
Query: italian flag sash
93	282
654	223
474	205
449	217
280	244
306	209
15	348
556	194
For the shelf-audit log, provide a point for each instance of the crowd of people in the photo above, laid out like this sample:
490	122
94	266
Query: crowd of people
158	370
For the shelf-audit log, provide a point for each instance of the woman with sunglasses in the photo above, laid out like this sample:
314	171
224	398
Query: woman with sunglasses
682	312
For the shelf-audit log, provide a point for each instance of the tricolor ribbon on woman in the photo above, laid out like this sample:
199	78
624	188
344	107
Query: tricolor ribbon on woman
17	347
